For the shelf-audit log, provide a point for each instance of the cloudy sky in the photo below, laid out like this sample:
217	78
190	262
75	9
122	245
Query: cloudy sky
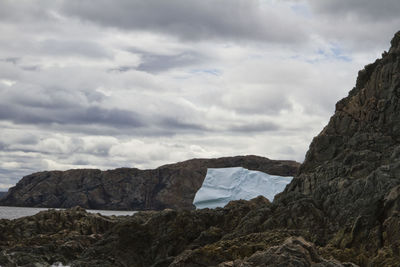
133	83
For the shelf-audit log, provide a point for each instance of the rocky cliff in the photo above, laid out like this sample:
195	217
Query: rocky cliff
342	209
169	186
352	169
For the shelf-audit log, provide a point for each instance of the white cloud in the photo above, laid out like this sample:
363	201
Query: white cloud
8	82
106	87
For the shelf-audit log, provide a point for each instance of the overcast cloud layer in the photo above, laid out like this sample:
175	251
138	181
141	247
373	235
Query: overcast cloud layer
131	83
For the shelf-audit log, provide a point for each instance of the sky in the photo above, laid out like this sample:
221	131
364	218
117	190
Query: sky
131	83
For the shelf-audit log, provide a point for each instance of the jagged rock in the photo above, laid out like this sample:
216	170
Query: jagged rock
206	237
352	169
295	251
50	236
354	161
169	186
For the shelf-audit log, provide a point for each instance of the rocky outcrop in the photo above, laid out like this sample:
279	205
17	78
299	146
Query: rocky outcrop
352	169
50	237
169	186
294	251
229	236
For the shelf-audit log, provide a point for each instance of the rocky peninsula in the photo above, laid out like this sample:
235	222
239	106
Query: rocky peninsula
169	186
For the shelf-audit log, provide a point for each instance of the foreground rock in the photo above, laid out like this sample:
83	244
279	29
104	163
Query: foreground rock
50	237
295	251
169	186
224	236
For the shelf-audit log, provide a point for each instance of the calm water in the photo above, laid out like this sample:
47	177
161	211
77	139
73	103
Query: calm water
18	212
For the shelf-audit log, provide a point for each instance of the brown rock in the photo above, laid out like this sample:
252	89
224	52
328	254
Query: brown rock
295	251
353	163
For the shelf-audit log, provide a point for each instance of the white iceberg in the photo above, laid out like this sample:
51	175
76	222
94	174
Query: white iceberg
225	184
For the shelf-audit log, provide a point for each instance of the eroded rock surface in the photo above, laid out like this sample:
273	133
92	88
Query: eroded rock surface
352	169
169	186
240	233
50	237
294	251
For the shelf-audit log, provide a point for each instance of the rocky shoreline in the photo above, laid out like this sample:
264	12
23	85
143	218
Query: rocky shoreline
222	237
341	209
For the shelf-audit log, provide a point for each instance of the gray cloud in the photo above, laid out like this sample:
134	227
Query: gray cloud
16	61
190	20
31	68
157	63
22	11
27	104
122	69
255	127
73	47
257	101
358	25
82	116
13	60
366	9
178	125
49	96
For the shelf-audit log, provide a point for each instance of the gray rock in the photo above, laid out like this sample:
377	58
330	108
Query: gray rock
352	169
295	251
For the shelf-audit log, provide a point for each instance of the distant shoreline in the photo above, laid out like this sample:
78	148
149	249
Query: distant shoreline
11	213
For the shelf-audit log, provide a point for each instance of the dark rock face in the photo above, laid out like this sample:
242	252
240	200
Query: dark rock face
169	186
352	168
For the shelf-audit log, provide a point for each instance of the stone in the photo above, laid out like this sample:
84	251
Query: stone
294	251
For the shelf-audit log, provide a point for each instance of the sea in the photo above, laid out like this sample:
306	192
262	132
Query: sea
11	213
